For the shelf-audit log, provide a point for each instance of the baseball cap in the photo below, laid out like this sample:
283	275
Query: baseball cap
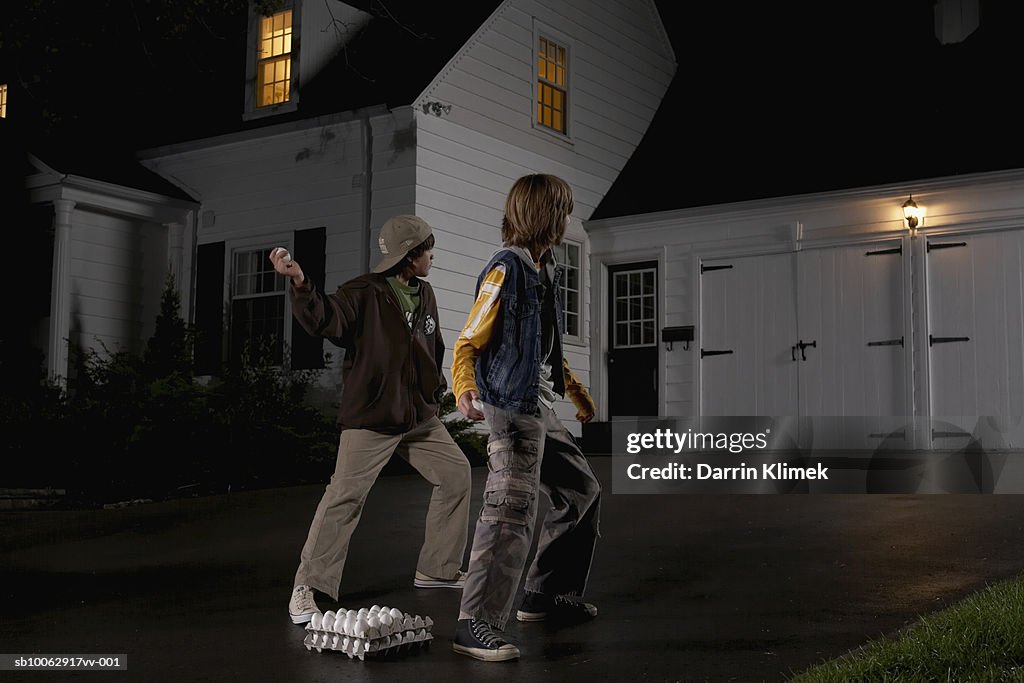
397	236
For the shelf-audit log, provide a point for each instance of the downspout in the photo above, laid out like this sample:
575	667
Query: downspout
367	134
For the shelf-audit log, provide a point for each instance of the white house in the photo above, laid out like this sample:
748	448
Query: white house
816	305
565	87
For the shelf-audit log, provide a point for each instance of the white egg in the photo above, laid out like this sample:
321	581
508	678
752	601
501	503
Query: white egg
316	621
327	623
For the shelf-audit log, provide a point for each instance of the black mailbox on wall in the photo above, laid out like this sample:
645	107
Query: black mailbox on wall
683	333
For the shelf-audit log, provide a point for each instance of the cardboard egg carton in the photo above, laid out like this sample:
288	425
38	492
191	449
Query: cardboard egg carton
368	632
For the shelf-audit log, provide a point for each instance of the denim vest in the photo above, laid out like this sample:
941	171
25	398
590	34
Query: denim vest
508	368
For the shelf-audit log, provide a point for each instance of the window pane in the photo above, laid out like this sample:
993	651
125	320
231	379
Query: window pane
634	309
556	121
622	334
621	309
572	301
634	283
572	277
648	333
649	282
288	42
620	284
648	308
634	334
572	324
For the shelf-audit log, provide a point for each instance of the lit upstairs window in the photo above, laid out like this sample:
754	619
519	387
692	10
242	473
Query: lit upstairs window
274	59
551	85
3	100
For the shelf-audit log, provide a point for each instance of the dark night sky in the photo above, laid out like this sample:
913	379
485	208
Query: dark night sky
769	99
776	99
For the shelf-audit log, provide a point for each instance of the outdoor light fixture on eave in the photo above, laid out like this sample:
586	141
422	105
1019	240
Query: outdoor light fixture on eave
912	213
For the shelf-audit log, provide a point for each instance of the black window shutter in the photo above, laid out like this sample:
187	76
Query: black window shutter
311	253
209	342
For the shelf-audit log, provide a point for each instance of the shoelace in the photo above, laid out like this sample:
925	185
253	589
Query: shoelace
305	600
565	603
482	632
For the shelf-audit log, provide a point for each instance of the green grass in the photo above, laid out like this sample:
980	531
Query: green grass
978	639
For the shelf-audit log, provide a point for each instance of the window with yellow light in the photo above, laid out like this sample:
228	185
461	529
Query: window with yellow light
3	100
274	65
552	74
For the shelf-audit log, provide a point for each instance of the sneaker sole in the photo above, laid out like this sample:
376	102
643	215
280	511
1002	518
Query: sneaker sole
486	655
531	616
437	584
300	618
543	616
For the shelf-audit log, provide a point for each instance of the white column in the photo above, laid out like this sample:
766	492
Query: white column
175	247
60	291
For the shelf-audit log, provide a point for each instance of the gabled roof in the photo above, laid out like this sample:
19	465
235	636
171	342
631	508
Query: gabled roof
388	62
396	55
168	101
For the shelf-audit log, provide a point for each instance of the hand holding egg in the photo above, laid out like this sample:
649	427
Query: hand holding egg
285	265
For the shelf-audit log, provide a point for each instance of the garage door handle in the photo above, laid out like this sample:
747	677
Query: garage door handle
803	345
946	340
720	352
887	342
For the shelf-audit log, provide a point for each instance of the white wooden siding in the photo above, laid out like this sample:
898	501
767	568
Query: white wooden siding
117	271
268	187
617	79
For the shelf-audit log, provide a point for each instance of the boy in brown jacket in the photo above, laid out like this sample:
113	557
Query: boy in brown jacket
387	322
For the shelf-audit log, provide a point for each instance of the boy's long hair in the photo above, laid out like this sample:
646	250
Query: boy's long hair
535	212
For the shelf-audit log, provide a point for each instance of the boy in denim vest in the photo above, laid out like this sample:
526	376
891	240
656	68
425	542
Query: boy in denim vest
508	368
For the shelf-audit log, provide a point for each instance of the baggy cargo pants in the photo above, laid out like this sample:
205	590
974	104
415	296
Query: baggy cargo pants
527	454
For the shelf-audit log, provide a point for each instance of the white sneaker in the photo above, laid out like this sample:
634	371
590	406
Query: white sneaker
302	607
423	581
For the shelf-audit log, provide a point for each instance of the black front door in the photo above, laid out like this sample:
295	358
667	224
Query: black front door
633	339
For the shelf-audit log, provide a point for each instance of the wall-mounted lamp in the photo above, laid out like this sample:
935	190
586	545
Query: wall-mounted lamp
913	214
436	108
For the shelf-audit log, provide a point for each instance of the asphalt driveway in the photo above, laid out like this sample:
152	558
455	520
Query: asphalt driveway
690	587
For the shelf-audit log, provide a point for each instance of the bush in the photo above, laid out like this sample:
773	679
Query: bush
134	426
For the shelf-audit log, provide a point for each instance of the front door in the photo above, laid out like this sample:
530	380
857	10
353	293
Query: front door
633	339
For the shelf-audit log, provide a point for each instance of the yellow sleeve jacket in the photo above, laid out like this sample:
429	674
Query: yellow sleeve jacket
477	333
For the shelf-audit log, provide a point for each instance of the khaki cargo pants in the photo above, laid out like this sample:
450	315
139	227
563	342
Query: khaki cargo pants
362	454
528	454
